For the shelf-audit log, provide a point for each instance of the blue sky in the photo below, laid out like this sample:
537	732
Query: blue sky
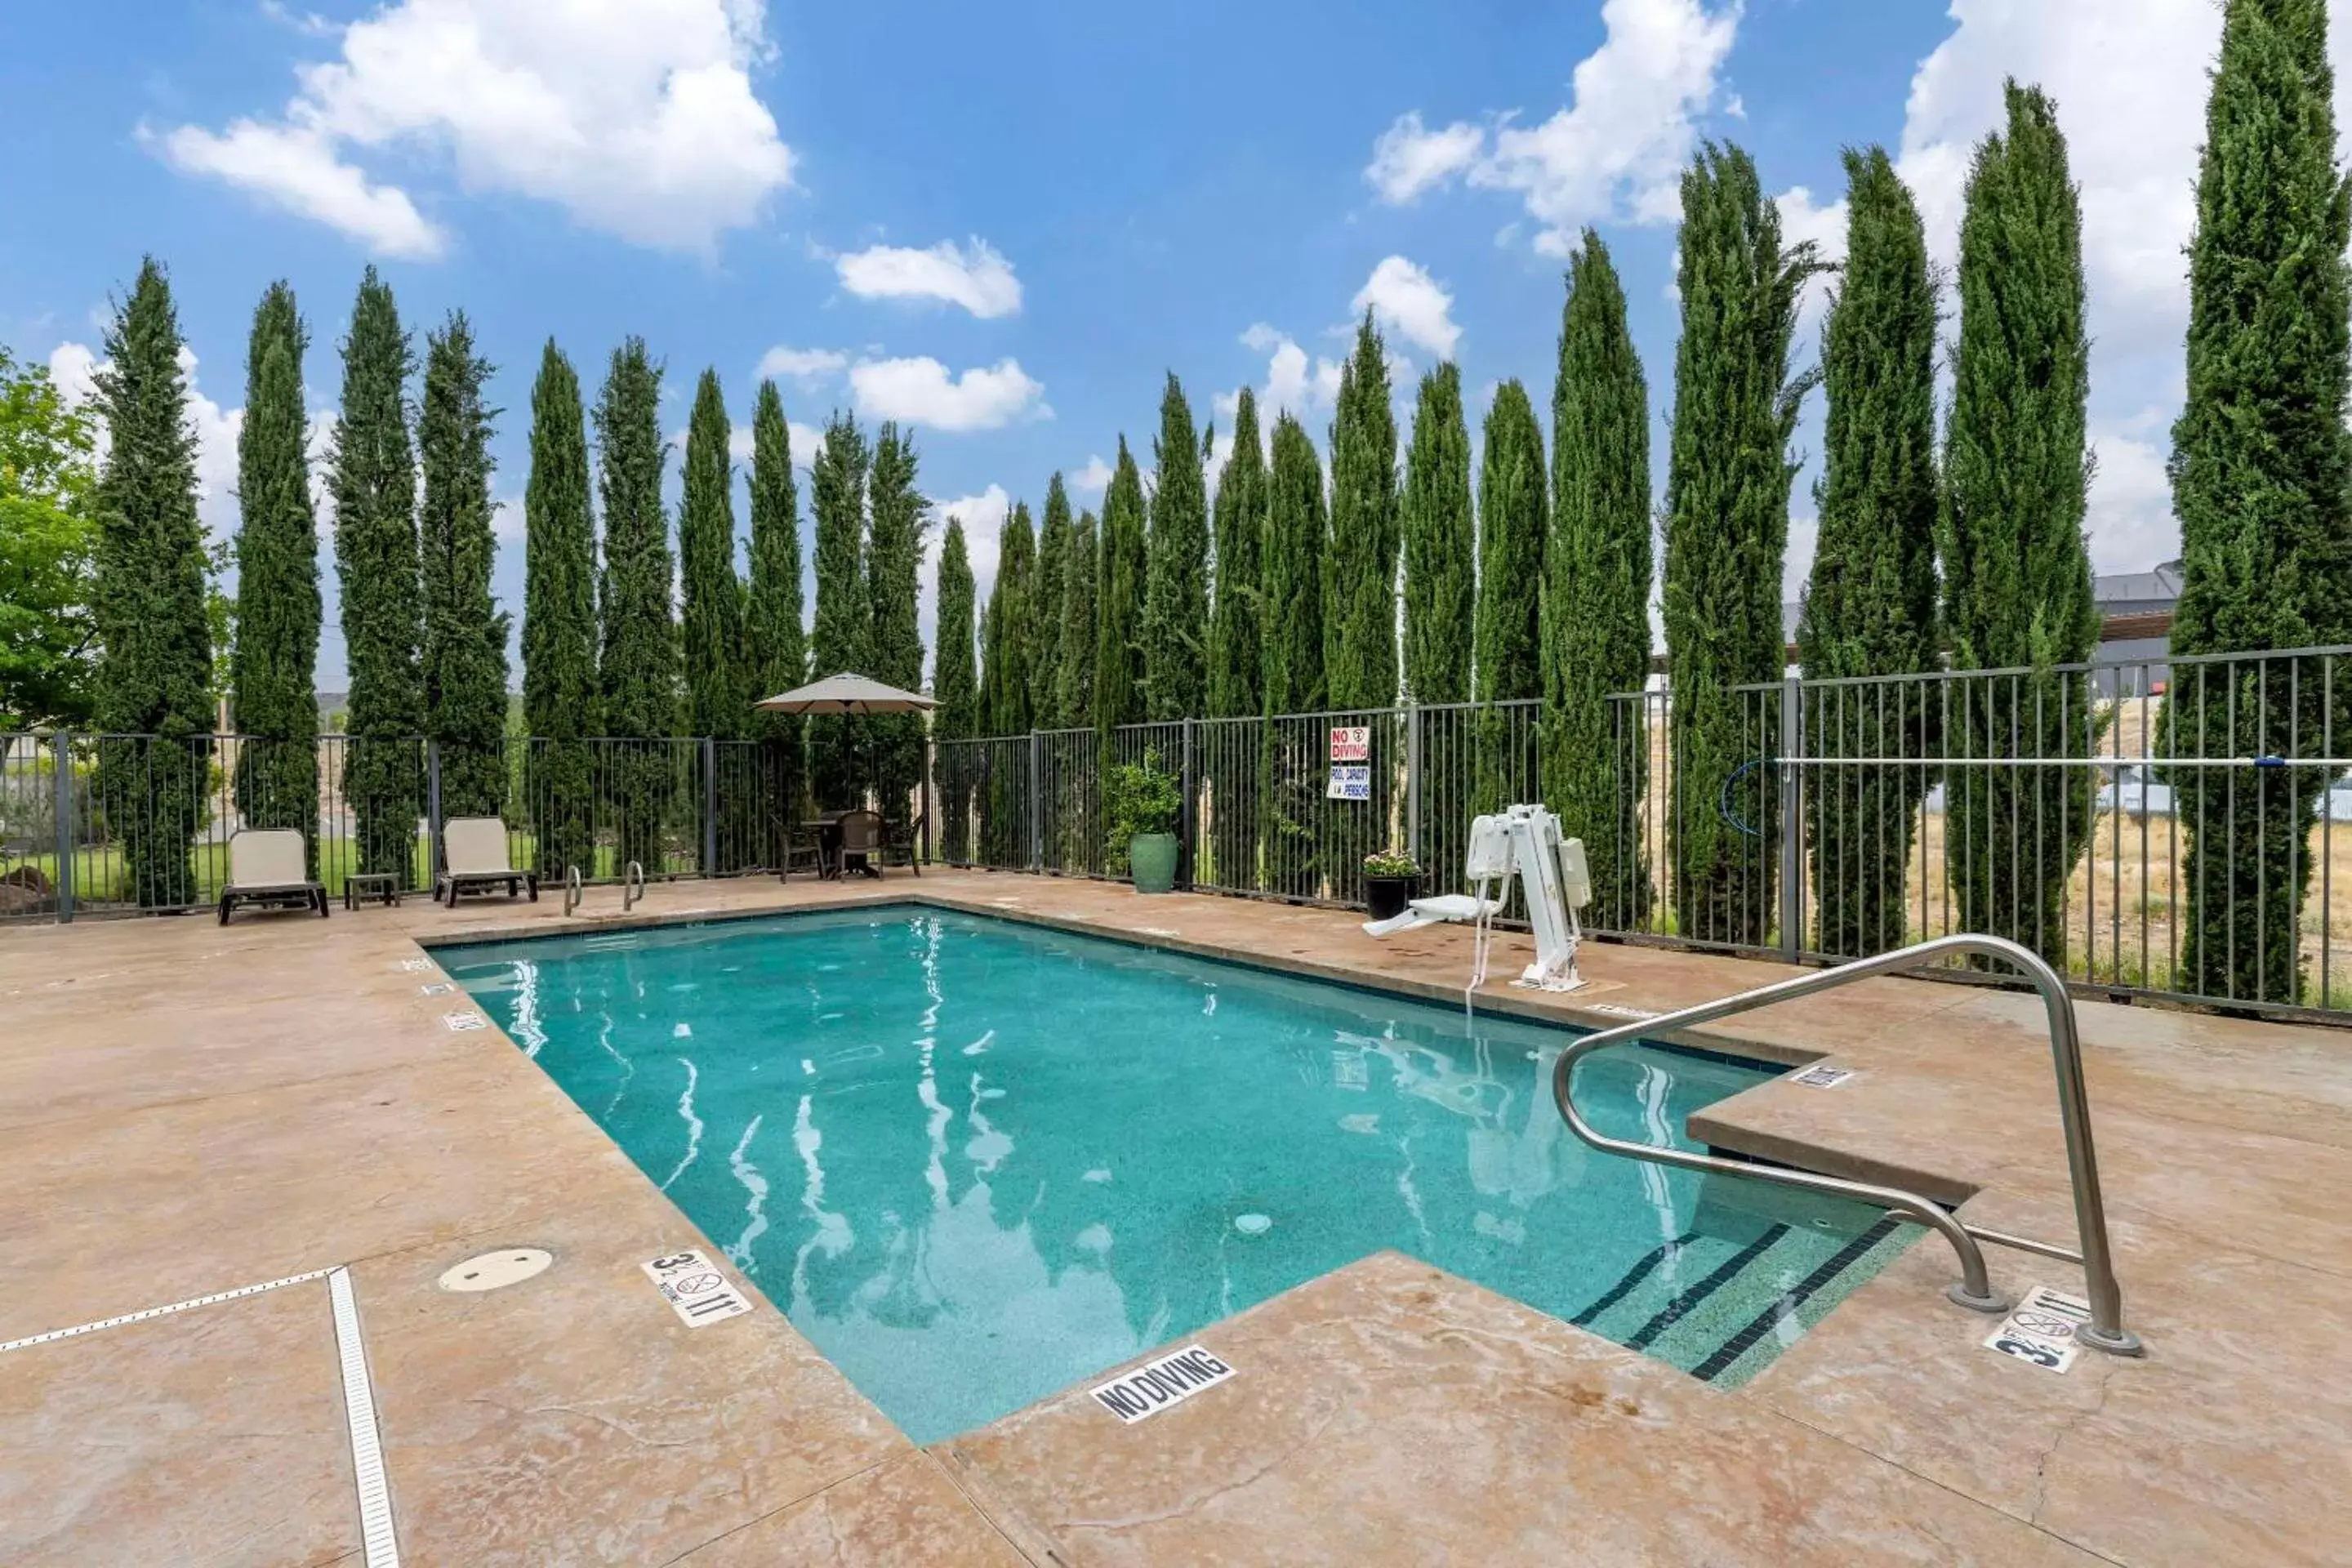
1002	224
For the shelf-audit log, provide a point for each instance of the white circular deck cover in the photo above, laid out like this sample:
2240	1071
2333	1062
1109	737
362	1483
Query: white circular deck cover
489	1270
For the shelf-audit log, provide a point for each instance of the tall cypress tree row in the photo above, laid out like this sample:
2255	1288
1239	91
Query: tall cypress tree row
373	482
1176	574
838	637
1596	595
1297	528
1514	516
272	670
711	644
1727	484
775	644
894	639
558	624
1236	682
1870	606
1074	690
2262	480
148	594
955	687
639	663
1004	687
1441	544
1052	578
1359	627
463	664
2017	577
1119	605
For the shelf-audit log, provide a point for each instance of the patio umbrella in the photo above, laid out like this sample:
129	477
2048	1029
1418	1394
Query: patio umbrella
846	693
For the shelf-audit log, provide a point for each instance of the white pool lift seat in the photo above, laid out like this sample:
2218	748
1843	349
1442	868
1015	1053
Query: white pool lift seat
1524	841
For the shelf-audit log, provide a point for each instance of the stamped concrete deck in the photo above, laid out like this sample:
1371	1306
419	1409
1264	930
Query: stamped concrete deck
186	1110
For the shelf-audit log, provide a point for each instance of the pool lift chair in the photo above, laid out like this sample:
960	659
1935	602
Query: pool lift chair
1523	841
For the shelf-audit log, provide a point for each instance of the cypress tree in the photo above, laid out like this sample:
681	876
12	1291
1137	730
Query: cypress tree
272	670
1870	606
2262	480
894	639
1596	595
837	639
1053	579
149	600
775	644
1297	528
1727	484
1004	687
1359	627
1118	604
1176	574
1514	516
1074	690
713	654
373	482
2017	576
1236	683
955	687
558	624
1441	544
464	659
639	663
717	704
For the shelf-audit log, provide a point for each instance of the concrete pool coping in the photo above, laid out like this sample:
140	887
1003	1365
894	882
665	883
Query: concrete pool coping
186	1109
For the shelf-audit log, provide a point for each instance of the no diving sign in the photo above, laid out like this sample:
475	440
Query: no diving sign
2041	1331
1171	1380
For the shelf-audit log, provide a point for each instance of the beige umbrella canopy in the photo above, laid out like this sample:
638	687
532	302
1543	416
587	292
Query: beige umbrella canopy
845	694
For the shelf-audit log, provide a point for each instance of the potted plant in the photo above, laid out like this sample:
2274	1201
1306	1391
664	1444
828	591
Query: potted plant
1144	804
1390	879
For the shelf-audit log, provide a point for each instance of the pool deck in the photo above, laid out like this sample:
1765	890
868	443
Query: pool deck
186	1110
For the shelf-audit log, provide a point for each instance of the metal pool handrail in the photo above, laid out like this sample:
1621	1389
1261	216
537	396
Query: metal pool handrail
1974	1289
572	891
633	886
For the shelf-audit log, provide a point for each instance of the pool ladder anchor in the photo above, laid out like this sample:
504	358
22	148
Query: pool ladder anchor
572	891
1974	1288
633	886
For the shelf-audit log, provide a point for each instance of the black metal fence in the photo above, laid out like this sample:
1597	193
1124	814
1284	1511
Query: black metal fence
121	824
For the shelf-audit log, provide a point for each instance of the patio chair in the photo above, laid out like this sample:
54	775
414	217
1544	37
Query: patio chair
904	841
804	850
265	867
474	857
861	841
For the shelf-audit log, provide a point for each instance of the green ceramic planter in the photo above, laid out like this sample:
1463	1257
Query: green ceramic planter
1152	857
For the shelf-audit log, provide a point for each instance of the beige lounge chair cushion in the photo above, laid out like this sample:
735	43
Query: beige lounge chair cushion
476	846
267	857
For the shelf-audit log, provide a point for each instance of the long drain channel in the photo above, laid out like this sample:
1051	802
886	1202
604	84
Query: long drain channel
382	1547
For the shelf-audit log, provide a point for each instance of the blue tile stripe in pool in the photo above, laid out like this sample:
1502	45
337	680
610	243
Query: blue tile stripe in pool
977	1162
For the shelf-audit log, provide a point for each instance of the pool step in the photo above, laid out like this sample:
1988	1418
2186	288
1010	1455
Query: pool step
1721	1308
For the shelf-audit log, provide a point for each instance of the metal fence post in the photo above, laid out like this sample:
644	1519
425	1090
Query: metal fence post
1792	836
930	761
710	806
61	885
1189	821
1412	780
1035	859
433	809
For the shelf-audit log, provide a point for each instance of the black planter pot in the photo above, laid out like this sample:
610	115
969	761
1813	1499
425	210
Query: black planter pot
1388	895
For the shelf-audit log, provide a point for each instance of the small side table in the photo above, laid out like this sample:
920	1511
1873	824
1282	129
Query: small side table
382	886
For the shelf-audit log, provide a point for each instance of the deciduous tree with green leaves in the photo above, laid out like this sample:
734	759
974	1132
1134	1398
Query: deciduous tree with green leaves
639	661
1870	602
372	478
559	626
1176	574
1596	593
273	700
49	548
464	662
2017	575
2262	480
1736	408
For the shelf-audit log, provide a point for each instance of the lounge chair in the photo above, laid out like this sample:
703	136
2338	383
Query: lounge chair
474	856
265	867
861	840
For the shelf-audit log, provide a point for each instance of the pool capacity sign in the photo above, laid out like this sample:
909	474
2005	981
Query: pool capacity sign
1351	762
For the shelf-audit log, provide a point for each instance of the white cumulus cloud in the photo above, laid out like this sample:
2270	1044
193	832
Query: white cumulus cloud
981	516
802	364
1094	478
74	369
977	278
922	391
1409	158
639	120
1403	296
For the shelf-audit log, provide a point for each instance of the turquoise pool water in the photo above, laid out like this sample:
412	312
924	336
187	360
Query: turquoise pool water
976	1162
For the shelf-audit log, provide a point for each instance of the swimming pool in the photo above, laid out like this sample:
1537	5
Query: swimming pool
976	1161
